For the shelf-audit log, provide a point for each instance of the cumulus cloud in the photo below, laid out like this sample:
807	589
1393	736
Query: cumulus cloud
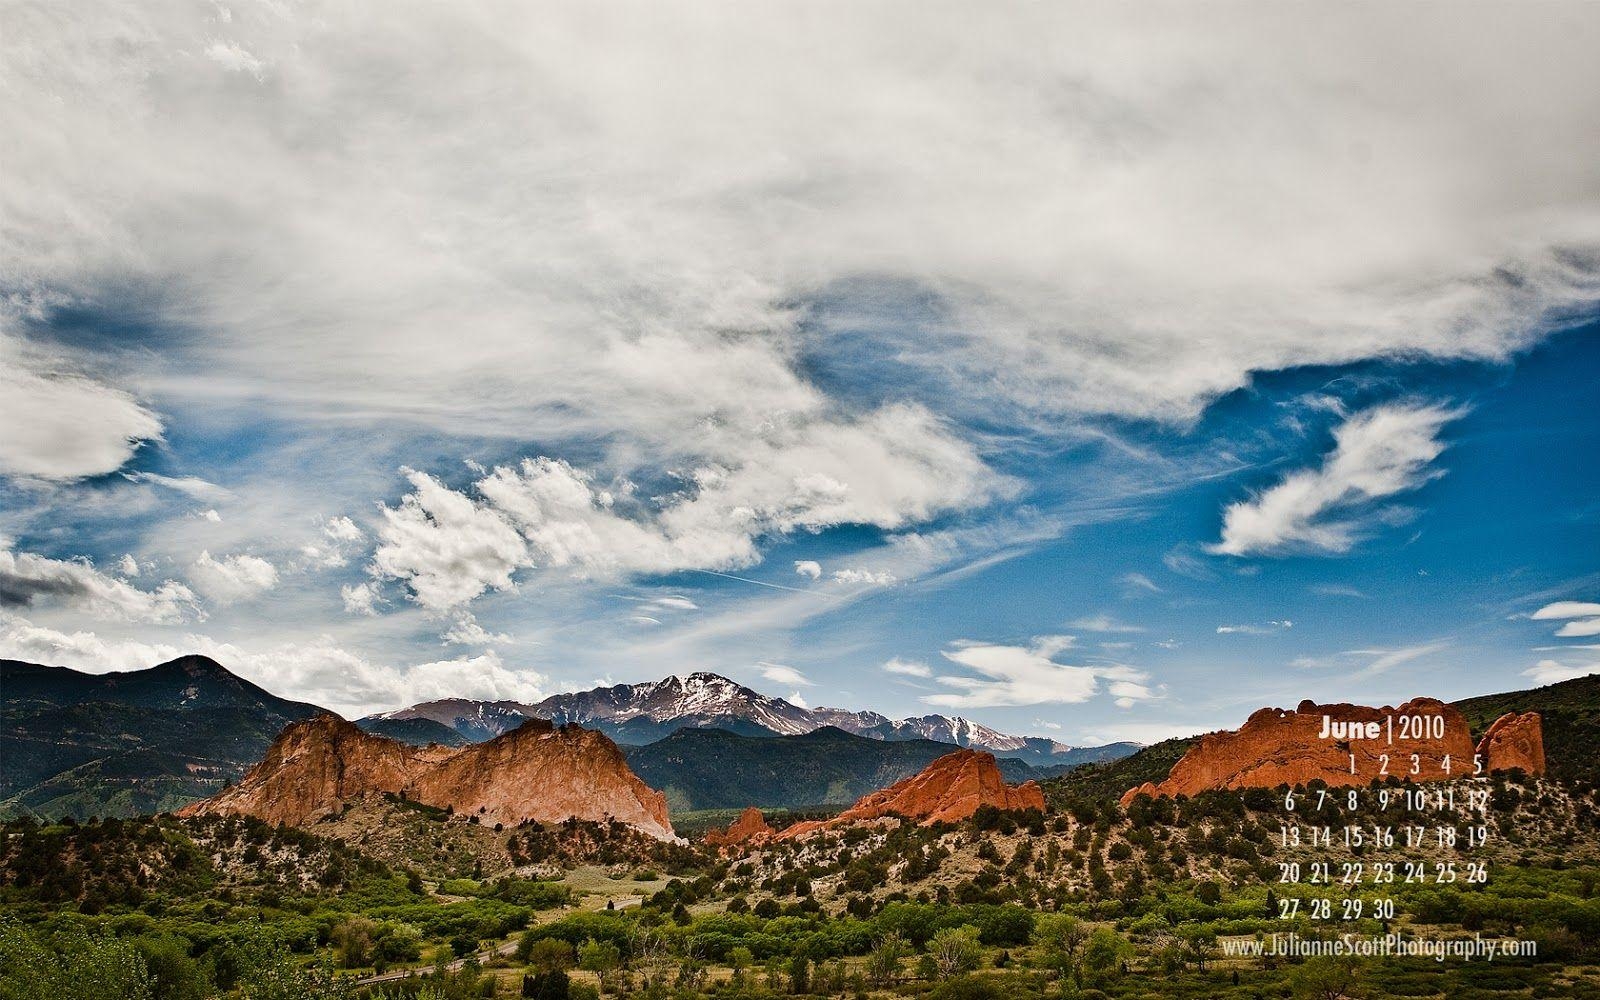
863	577
340	538
1552	671
1029	675
29	580
233	578
808	568
1378	453
82	650
894	468
907	668
447	548
128	565
1584	618
465	631
360	598
778	673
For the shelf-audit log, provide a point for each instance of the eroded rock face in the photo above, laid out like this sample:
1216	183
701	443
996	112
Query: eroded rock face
535	772
948	790
1278	747
1515	740
749	829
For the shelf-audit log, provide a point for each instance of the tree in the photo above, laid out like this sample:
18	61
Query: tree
547	954
601	958
1104	952
1200	945
799	975
1325	978
883	962
550	985
1060	937
955	951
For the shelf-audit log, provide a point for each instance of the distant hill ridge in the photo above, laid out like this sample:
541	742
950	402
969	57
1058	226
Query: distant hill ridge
129	742
716	769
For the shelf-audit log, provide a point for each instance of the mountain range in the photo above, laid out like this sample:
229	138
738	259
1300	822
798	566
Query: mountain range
640	714
145	741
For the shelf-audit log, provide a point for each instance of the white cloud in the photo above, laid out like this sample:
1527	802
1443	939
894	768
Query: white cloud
343	530
797	699
57	424
1043	724
907	668
29	580
1029	675
445	547
1378	660
808	568
465	631
341	537
190	486
617	252
1104	623
778	673
674	602
360	598
210	515
81	650
231	57
128	565
1378	453
1268	629
1585	615
1136	584
863	577
893	468
233	578
1555	671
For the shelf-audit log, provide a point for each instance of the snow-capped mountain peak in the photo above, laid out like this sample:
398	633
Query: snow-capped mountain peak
651	710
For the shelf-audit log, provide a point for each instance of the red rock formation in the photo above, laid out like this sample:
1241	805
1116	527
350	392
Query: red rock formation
948	790
1514	741
535	772
1278	747
748	830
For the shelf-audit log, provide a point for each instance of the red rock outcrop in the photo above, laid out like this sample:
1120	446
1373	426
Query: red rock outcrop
1516	740
1278	747
749	829
948	790
535	772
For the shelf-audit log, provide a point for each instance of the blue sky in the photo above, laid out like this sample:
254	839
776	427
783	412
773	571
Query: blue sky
1081	391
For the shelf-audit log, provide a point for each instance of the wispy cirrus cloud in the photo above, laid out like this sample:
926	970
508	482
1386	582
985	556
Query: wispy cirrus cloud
1013	675
1377	454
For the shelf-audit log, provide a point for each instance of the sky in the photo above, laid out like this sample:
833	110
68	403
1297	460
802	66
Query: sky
1090	375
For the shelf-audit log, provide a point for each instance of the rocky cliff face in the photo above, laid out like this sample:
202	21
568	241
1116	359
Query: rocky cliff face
749	829
1515	740
948	790
536	772
1278	747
